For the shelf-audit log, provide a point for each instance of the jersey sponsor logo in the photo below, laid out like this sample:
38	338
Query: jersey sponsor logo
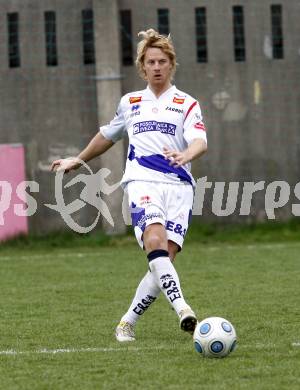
163	127
178	100
135	107
145	200
135	99
200	126
176	228
179	111
147	217
135	113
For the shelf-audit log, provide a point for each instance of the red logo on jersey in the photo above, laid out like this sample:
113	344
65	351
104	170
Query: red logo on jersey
145	199
136	99
200	126
178	100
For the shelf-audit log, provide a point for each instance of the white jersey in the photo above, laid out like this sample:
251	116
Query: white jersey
173	120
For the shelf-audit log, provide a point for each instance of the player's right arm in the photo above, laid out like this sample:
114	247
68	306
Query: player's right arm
97	146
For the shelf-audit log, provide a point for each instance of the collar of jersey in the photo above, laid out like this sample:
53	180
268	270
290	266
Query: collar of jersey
172	89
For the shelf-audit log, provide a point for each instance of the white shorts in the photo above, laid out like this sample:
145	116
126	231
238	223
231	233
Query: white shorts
168	204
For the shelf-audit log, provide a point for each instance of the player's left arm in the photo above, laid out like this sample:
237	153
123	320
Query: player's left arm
195	149
194	132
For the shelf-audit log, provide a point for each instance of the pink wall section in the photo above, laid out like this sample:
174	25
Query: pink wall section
12	170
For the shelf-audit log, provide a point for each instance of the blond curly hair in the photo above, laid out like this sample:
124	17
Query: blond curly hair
152	38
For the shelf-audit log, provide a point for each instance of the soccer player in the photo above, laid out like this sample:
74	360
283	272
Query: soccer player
166	132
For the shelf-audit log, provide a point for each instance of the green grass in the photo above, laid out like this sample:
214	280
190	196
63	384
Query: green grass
200	232
54	298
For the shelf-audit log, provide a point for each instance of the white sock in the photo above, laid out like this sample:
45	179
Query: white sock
167	278
145	295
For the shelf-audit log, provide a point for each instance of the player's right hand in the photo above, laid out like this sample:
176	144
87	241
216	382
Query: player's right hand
65	164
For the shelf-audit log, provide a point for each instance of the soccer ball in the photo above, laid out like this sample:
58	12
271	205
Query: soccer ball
214	337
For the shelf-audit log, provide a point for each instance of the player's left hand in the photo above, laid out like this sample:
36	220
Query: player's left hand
176	158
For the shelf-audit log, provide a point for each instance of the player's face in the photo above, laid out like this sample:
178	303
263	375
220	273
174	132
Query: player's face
158	68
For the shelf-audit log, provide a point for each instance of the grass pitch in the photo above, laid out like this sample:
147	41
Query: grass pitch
59	308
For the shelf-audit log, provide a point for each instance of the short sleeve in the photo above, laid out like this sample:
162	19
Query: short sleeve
116	129
193	125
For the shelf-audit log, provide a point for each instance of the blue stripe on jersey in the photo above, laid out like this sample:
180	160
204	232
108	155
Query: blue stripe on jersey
157	162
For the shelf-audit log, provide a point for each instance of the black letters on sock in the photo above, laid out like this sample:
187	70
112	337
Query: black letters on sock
169	284
142	306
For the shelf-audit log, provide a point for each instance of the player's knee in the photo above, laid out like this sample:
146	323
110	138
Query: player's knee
154	241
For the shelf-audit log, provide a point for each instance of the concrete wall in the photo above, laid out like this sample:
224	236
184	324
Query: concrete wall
253	134
51	110
109	85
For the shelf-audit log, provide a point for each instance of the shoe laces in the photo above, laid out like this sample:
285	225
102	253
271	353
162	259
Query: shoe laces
126	328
